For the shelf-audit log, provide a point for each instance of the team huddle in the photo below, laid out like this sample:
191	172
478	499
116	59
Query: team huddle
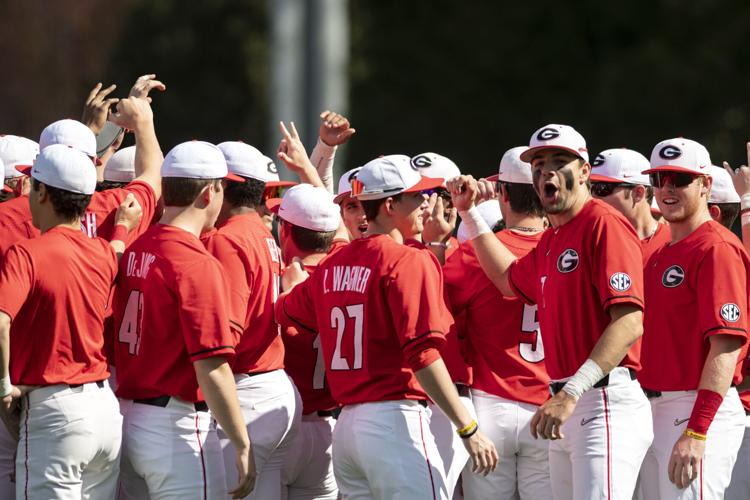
189	326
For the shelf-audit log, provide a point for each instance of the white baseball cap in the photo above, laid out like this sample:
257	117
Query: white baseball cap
722	189
490	212
435	166
17	153
620	165
66	168
5	189
307	206
70	133
245	160
680	155
512	168
345	184
197	160
121	166
388	176
554	136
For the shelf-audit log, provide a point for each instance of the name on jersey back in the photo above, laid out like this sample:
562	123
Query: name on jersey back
347	279
139	268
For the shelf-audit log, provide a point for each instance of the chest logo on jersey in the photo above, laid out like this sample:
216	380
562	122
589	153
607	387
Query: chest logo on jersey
730	312
620	282
567	261
673	276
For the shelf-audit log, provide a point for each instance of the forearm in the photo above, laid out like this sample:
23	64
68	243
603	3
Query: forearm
4	345
625	328
438	385
148	157
216	381
322	158
746	237
720	364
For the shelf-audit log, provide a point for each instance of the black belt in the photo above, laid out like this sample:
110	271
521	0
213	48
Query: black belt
325	413
555	387
422	402
253	374
163	401
463	390
99	384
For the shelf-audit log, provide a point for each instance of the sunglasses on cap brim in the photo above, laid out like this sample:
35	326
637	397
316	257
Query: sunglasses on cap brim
677	179
602	189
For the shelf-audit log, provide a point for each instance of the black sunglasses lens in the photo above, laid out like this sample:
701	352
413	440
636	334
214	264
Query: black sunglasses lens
677	179
602	189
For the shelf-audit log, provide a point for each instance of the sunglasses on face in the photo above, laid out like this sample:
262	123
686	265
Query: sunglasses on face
677	179
441	192
603	189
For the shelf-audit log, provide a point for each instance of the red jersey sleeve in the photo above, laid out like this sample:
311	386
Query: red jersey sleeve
523	276
235	276
722	307
415	297
203	311
296	308
144	193
617	263
15	280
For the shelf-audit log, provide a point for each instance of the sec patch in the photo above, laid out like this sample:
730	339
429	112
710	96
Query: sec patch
620	282
730	312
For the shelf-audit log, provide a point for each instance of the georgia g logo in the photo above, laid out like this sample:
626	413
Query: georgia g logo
670	152
673	276
620	282
272	168
730	312
598	161
547	134
353	175
421	161
567	261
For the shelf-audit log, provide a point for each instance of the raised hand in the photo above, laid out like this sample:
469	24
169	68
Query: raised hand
464	192
741	175
133	113
96	108
335	128
291	150
436	227
145	84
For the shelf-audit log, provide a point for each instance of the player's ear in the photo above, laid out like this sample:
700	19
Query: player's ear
388	205
585	170
706	183
638	193
715	212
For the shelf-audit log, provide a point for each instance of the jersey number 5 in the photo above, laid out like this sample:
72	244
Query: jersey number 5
530	346
339	322
130	327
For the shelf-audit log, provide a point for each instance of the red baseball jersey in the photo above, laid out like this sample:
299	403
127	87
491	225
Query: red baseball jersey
99	219
170	310
15	222
504	346
379	309
661	237
574	275
695	288
252	265
55	289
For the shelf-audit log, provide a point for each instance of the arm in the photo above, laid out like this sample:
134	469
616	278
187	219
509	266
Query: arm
96	107
437	229
127	218
9	410
217	384
293	154
741	182
334	131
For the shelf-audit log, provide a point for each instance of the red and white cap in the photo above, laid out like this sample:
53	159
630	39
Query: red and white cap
70	133
512	168
65	168
680	155
620	165
17	153
307	206
197	160
490	212
121	166
435	166
554	136
345	184
722	189
388	176
245	160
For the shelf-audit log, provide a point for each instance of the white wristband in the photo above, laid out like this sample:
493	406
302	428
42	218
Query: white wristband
587	375
5	386
745	201
474	223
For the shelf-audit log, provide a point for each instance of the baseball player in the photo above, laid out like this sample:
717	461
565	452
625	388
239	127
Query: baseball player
378	308
697	287
53	292
17	152
616	179
119	171
723	200
251	262
352	213
309	221
174	343
585	276
504	346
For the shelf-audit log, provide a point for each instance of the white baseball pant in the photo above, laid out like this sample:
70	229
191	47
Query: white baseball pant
451	447
523	466
385	450
69	444
605	441
173	450
271	407
671	412
308	469
7	464
739	486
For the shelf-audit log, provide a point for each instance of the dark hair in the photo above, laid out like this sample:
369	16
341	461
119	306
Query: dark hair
372	207
106	185
729	212
244	194
649	194
523	199
182	191
308	240
70	206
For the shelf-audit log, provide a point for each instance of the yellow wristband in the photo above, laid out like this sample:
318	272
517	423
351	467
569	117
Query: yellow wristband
695	435
466	430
